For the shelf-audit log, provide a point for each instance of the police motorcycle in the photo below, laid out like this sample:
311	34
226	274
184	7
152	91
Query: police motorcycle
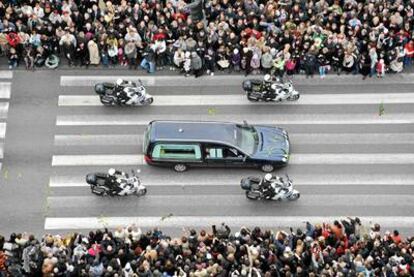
123	93
115	183
270	90
269	187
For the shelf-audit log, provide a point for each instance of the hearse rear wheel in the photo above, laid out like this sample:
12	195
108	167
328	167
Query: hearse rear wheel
180	167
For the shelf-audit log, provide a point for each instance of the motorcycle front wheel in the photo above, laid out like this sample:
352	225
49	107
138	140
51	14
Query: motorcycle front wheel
294	196
149	101
293	97
142	192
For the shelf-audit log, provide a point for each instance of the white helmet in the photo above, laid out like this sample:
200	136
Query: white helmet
119	81
268	177
111	172
267	78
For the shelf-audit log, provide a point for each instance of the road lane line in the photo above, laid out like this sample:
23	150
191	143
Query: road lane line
295	139
350	159
277	119
5	89
295	159
4	108
2	130
233	180
93	160
6	74
74	223
240	100
68	140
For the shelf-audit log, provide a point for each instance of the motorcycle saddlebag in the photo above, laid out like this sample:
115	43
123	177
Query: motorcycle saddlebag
100	89
245	184
247	85
107	100
91	179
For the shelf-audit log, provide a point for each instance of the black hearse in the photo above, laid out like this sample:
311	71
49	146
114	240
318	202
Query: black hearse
183	144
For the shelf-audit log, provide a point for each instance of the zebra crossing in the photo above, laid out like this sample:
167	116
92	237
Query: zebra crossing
5	92
352	154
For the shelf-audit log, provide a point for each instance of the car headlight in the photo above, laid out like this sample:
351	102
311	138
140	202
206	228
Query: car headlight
284	159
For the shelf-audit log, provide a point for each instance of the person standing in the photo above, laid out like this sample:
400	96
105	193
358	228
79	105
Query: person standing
187	63
196	64
380	68
94	57
210	60
374	59
13	58
246	60
130	51
309	61
148	61
365	65
323	62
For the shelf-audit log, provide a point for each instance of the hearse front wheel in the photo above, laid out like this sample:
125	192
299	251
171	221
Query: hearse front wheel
180	167
267	168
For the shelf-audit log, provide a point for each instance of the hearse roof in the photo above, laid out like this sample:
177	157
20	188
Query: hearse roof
197	131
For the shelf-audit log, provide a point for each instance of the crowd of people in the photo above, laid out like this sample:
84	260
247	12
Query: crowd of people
342	248
370	37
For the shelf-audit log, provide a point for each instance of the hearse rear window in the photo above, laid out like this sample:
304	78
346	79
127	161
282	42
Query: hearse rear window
177	151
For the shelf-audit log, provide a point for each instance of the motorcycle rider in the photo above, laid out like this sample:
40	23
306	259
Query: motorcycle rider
112	180
266	187
269	191
267	90
120	93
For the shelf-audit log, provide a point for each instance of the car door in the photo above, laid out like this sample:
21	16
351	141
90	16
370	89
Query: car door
213	155
234	157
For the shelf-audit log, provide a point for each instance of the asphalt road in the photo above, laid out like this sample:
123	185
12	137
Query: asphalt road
348	158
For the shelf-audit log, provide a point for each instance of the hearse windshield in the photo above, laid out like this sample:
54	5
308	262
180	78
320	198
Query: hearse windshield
246	138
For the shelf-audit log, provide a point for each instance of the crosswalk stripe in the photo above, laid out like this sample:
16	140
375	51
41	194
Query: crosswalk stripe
220	201
285	119
295	138
6	74
5	88
82	160
2	130
295	159
66	140
231	100
233	180
230	80
73	223
4	108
